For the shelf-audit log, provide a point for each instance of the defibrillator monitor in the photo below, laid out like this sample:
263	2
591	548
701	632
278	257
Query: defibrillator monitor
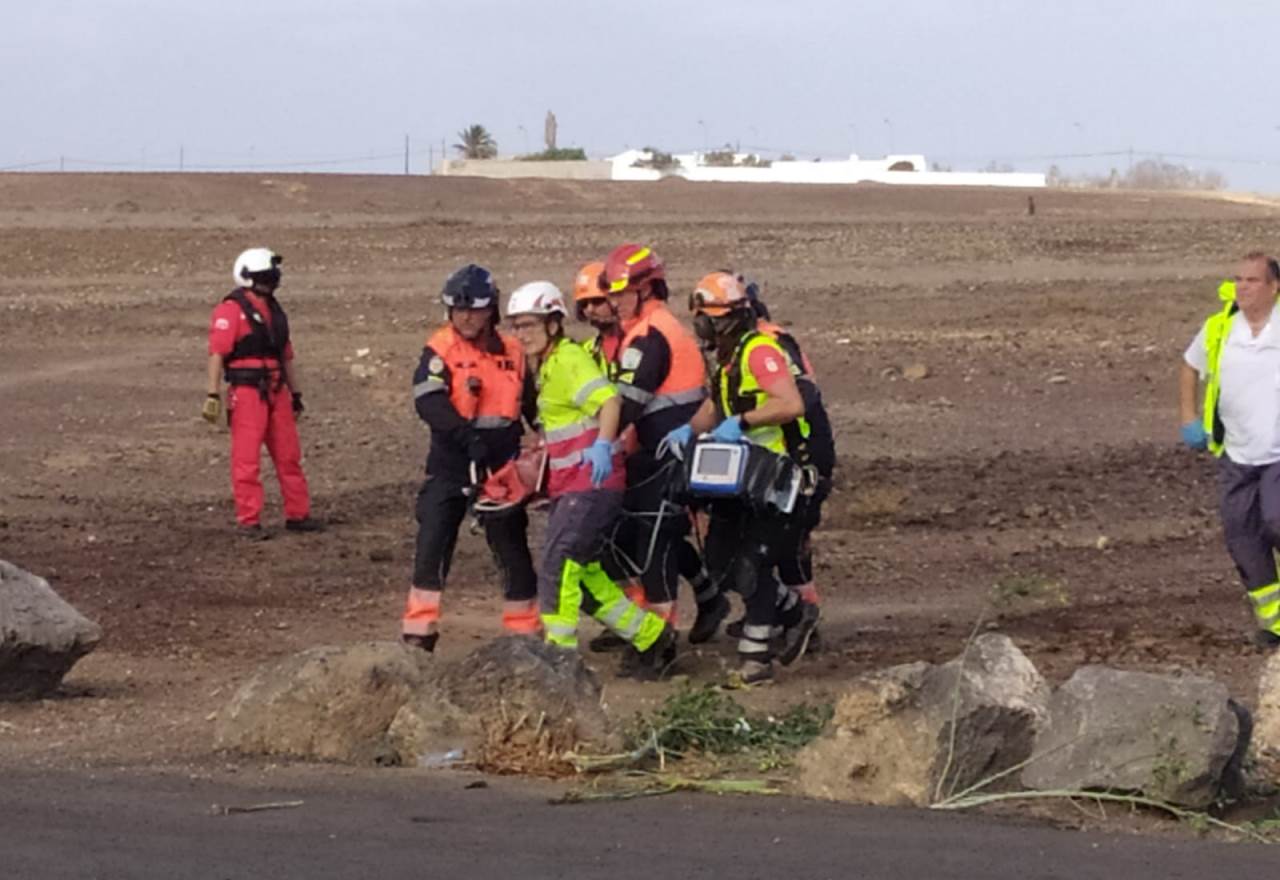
717	468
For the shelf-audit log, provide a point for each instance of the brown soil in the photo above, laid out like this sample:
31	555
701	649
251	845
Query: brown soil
1037	463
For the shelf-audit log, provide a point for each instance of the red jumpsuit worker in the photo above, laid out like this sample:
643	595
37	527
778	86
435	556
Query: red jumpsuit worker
471	388
249	345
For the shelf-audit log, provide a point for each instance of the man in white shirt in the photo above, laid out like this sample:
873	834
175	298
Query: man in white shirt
1236	355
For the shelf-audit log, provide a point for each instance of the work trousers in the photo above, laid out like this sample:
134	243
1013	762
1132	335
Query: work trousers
795	570
1250	498
648	487
742	551
571	577
259	418
441	509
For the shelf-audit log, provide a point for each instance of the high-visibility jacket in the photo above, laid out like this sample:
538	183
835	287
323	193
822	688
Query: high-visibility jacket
789	345
483	386
681	388
821	442
604	349
1216	330
464	391
571	390
738	391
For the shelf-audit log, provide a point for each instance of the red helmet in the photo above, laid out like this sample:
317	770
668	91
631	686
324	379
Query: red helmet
629	266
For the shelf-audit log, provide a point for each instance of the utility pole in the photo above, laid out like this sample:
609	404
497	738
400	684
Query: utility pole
406	154
431	160
182	159
1130	160
62	163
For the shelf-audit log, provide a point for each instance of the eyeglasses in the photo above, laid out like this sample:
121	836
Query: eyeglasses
521	326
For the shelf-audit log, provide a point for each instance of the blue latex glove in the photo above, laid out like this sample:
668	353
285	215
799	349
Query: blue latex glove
677	439
600	455
728	431
1193	435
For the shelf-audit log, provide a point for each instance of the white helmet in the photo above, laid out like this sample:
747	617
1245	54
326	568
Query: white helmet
254	260
536	298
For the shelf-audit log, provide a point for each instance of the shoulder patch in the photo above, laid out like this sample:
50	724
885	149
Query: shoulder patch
631	358
436	364
222	324
771	364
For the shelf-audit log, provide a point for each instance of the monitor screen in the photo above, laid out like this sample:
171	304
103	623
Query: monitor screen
715	462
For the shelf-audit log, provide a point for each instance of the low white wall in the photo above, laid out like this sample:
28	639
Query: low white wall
570	169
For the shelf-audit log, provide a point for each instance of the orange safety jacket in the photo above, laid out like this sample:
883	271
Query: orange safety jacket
685	383
484	387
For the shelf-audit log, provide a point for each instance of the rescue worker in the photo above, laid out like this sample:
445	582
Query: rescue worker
796	570
662	379
249	346
754	399
579	411
591	306
1237	355
471	388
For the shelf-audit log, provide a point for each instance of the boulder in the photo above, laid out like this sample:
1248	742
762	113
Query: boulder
326	703
915	734
515	701
41	636
1172	738
1266	732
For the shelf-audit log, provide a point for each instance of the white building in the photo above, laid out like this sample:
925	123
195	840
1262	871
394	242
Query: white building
911	169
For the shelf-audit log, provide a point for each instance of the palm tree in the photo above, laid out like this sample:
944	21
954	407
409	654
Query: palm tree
476	143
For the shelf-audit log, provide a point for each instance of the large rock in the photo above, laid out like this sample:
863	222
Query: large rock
328	703
384	703
512	694
1169	737
1266	732
892	739
41	636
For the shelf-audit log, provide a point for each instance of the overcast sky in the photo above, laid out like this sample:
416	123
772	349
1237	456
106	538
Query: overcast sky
271	82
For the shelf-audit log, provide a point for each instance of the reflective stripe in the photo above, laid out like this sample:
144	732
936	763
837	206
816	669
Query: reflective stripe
750	646
666	401
565	461
492	422
1264	593
431	386
577	429
559	629
622	617
638	256
585	392
634	394
757	633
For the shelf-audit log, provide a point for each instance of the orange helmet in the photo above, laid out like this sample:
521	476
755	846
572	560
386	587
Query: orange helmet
586	285
630	265
719	294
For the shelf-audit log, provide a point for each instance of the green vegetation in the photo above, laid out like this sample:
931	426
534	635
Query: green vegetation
475	142
557	154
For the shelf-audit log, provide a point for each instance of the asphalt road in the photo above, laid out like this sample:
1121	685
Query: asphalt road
126	824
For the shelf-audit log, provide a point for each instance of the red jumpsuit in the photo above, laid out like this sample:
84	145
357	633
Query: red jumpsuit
251	333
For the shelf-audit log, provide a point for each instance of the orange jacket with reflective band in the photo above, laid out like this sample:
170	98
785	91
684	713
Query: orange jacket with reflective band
686	380
484	387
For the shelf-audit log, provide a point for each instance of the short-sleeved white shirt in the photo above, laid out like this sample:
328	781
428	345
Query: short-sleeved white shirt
1249	399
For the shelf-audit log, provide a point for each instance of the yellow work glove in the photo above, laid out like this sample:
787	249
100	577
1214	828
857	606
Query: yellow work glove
212	410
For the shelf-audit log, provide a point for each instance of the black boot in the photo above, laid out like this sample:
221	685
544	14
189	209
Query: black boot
425	643
710	615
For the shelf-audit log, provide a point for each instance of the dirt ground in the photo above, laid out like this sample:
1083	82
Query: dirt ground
1032	480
